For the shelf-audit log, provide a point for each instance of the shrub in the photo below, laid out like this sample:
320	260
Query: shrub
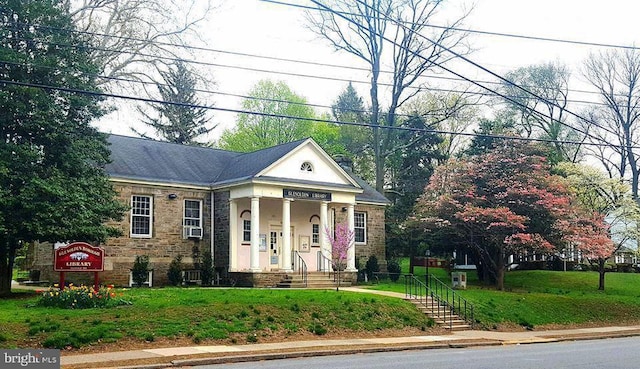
140	270
175	271
206	268
82	297
372	266
393	267
34	275
317	329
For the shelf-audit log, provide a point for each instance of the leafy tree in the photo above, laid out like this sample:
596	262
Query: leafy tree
544	115
53	186
341	240
360	28
613	214
502	202
452	113
180	123
281	117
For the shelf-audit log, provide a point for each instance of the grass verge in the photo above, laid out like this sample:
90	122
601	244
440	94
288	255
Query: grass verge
538	298
203	315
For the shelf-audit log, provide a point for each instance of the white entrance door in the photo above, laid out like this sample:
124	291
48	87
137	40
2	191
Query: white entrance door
275	240
275	246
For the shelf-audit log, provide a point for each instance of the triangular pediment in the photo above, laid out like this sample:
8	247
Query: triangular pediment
308	162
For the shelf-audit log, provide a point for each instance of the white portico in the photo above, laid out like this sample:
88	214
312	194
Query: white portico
300	192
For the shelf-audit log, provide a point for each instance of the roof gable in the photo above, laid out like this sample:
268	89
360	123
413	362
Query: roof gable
308	162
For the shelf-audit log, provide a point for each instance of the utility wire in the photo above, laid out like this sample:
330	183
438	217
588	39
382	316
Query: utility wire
310	76
468	30
240	111
265	57
174	59
248	97
321	7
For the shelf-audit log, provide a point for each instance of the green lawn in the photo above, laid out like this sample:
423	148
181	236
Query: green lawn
213	314
535	298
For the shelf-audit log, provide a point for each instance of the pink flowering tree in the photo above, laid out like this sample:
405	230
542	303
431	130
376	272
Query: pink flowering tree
341	241
501	203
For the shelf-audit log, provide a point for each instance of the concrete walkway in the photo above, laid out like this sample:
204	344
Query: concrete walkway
205	355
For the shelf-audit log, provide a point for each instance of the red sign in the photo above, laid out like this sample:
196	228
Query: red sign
78	257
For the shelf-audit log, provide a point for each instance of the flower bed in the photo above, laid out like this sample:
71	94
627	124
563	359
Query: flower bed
82	297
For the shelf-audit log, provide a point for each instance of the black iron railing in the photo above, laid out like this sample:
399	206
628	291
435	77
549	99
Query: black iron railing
441	299
324	264
300	266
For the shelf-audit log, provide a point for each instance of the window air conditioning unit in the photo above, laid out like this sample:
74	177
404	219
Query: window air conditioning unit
192	232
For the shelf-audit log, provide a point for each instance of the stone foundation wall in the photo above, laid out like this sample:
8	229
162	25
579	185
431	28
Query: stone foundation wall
264	279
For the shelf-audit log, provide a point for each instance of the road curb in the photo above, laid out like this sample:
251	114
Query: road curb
254	356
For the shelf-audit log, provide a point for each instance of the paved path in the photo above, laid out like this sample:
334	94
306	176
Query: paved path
265	351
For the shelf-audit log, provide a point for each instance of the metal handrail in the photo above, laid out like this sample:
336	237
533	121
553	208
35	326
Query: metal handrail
443	299
459	305
300	266
324	263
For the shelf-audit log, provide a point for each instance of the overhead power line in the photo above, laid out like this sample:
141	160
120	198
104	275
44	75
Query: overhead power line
489	33
264	57
240	111
248	97
323	7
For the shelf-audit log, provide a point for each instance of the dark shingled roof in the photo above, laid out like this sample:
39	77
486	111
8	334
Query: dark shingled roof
149	160
137	158
247	165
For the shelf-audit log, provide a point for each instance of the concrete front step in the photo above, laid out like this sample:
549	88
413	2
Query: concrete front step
441	314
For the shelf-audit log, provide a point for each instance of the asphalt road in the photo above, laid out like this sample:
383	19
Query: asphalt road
618	353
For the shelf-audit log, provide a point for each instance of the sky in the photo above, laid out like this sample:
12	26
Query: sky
266	29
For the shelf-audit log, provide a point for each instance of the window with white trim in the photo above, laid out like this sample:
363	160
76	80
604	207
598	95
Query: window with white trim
192	213
246	230
360	227
141	216
315	234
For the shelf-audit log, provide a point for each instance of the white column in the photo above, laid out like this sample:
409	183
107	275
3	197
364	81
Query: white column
351	253
286	235
254	260
324	225
233	235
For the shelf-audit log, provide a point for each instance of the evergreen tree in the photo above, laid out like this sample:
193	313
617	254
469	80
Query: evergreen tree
52	183
350	108
183	122
411	168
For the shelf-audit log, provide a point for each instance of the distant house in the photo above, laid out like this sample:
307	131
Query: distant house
260	214
625	255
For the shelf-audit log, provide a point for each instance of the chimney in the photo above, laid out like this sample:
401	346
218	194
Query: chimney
344	162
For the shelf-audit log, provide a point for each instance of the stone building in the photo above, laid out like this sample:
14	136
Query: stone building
186	199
